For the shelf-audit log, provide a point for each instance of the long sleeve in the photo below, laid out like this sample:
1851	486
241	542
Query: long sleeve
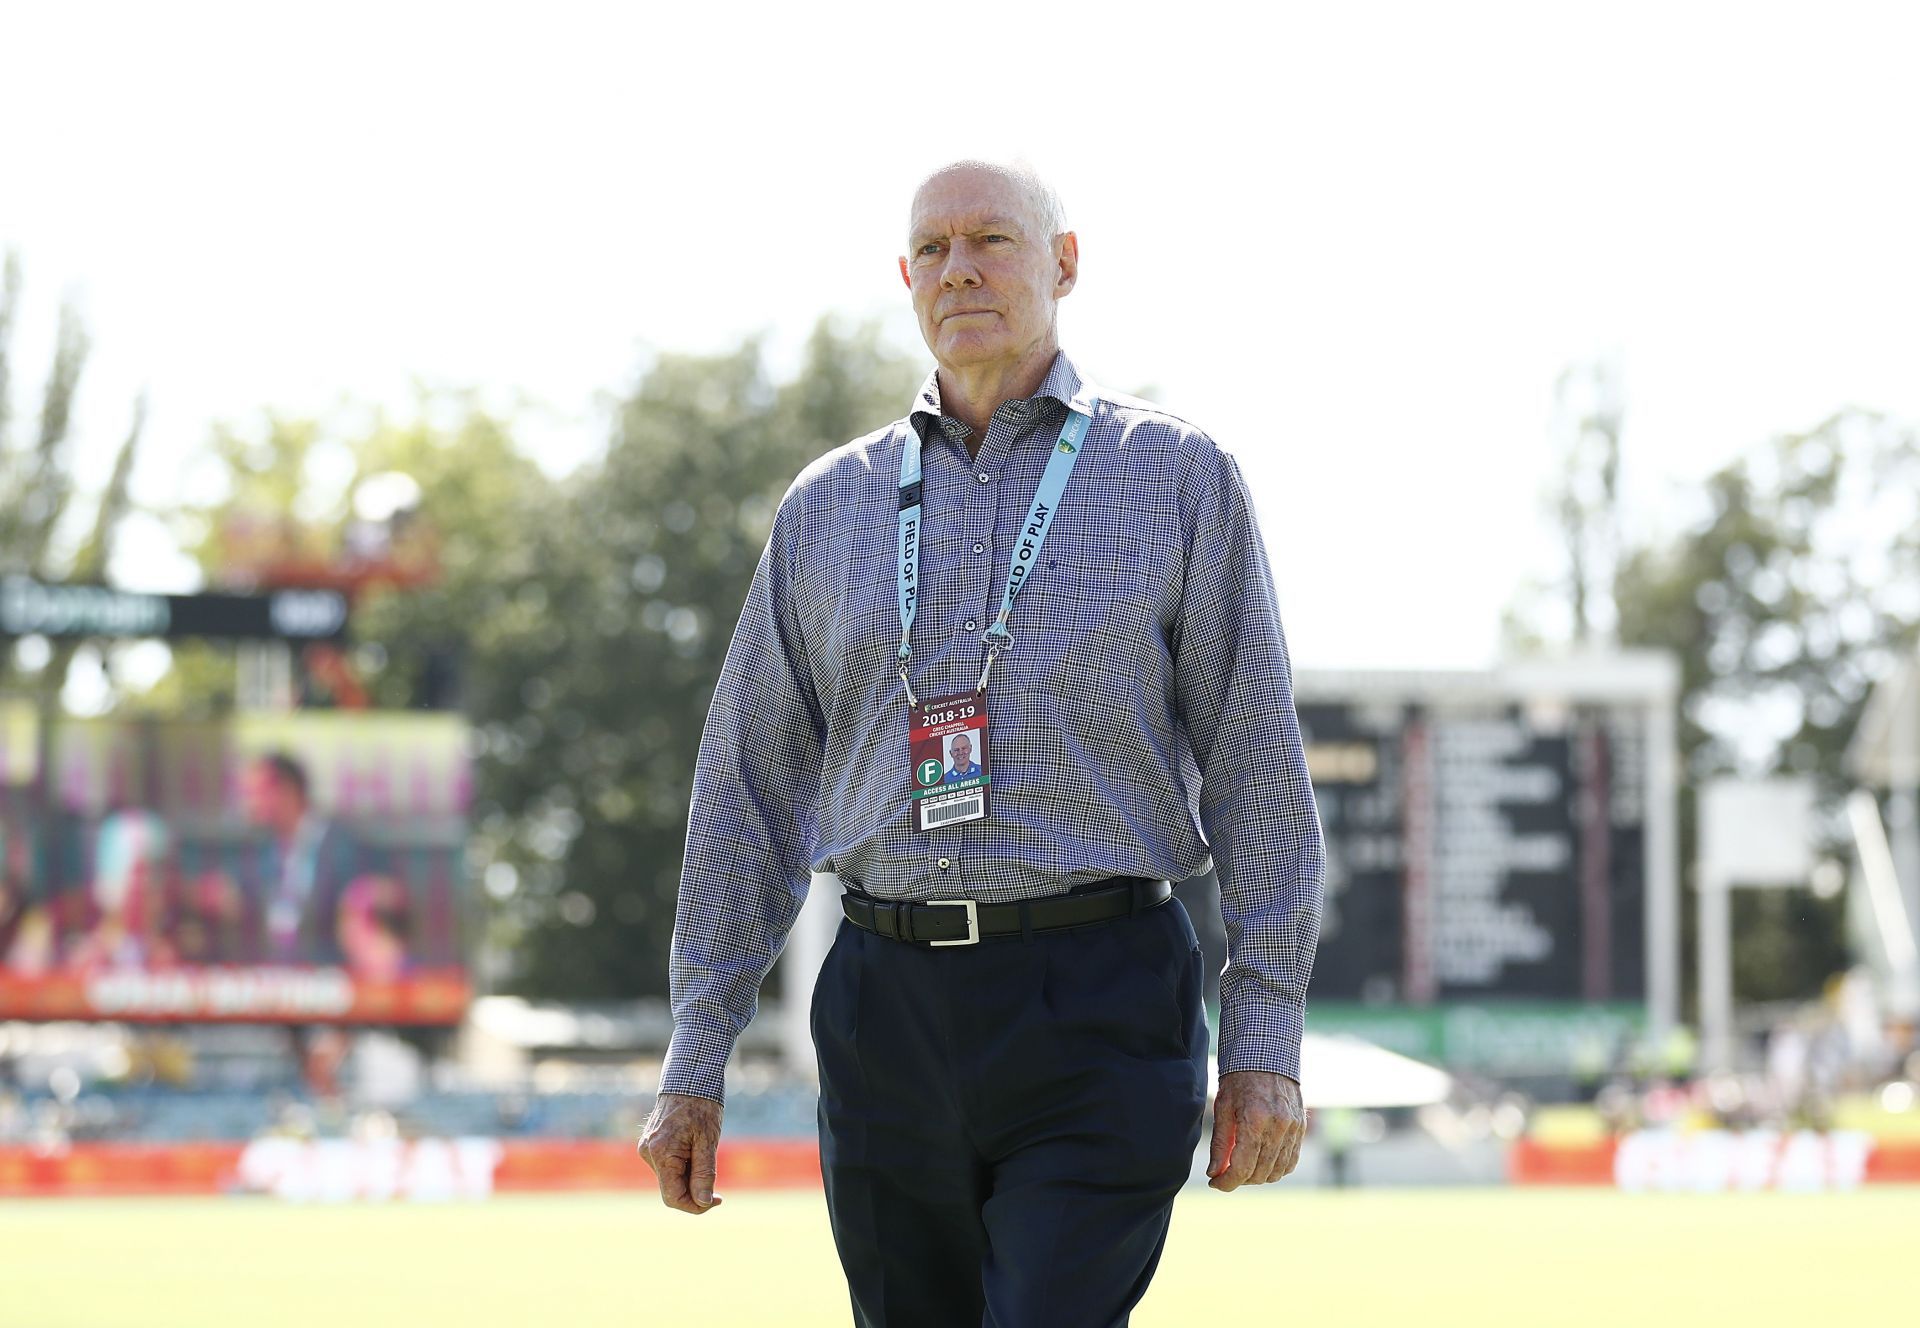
1234	689
749	829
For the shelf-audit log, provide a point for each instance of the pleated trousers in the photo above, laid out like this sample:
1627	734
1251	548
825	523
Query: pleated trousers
1004	1126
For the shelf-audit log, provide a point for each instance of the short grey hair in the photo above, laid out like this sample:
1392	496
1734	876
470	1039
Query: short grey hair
1042	197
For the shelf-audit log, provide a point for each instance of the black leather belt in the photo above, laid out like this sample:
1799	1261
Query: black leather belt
964	922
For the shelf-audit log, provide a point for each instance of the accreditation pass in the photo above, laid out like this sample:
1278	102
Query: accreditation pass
947	743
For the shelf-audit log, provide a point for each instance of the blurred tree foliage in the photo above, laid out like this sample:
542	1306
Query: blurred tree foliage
592	743
591	613
1784	602
1588	411
1784	596
487	502
37	491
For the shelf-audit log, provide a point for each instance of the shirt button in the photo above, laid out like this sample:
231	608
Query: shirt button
984	478
979	548
944	864
971	624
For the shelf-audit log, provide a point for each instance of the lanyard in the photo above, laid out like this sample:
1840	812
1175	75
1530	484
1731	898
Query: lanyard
1026	550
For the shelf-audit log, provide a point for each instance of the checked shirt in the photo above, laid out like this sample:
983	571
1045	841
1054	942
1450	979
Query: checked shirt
1141	722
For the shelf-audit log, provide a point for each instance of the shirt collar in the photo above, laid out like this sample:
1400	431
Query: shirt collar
1062	384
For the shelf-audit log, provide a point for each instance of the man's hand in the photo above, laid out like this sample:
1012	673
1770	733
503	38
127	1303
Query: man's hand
680	1142
1258	1123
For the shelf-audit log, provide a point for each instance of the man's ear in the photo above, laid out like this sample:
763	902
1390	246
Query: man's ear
903	272
1068	258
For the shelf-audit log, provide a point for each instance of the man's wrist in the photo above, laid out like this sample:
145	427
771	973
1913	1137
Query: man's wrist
1261	1034
681	1092
685	1081
696	1064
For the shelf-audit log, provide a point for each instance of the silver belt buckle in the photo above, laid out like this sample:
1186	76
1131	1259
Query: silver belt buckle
973	920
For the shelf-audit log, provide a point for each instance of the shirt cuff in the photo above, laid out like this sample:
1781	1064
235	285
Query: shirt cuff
696	1062
1261	1034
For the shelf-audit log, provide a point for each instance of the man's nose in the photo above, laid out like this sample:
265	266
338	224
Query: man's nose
959	270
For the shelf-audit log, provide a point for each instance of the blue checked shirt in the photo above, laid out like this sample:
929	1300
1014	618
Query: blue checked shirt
1141	721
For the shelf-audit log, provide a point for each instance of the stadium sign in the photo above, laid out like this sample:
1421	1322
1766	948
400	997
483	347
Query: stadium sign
342	1170
1669	1160
1493	1037
1717	1161
433	1169
36	608
238	994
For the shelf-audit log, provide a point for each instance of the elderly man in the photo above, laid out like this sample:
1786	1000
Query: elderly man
1009	1024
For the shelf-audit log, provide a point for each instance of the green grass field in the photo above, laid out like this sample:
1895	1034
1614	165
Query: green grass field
1423	1258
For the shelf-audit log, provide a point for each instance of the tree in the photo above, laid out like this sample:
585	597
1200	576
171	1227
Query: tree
595	743
504	540
590	614
1783	602
1783	598
1589	410
476	506
1584	507
37	489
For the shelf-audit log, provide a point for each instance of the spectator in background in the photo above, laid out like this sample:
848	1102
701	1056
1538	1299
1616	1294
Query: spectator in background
26	931
128	897
1339	1128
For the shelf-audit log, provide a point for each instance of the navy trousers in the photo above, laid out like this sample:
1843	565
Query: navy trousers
1003	1126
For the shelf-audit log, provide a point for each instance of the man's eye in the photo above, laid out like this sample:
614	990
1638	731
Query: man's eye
931	247
992	238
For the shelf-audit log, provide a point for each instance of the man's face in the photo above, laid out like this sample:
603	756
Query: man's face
270	800
984	274
962	753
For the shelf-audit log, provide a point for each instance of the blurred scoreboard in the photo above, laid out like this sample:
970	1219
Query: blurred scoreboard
1499	836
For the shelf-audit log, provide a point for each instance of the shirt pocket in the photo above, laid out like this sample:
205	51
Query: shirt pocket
1087	630
1095	585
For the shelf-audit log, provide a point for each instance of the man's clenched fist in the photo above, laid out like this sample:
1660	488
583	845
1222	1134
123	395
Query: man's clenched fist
680	1142
1258	1123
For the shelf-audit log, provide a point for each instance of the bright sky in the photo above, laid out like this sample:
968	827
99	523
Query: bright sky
1356	243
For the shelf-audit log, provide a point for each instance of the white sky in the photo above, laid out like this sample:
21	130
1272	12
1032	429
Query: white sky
1355	243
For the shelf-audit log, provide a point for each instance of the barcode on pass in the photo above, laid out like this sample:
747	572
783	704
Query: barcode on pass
957	809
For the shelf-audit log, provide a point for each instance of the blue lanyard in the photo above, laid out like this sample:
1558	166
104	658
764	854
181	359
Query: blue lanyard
1026	550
